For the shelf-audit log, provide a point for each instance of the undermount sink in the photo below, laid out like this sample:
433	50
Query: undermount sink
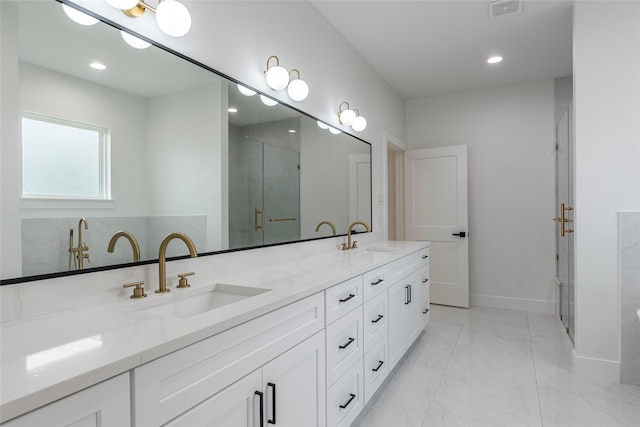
379	249
219	295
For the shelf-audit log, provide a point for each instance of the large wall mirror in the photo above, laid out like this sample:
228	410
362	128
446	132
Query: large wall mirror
152	144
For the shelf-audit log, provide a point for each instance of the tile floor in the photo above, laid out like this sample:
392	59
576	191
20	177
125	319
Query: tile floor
491	367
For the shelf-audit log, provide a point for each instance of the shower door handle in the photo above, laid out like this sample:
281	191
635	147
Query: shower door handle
259	224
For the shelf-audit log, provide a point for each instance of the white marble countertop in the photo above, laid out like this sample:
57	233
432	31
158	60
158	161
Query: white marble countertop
47	357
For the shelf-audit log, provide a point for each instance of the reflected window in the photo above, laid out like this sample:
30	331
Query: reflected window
63	159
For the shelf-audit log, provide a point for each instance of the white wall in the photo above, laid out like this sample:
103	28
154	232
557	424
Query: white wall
237	37
185	157
510	135
606	61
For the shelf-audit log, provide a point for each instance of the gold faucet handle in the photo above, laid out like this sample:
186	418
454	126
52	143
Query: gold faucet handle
138	291
344	247
354	244
184	282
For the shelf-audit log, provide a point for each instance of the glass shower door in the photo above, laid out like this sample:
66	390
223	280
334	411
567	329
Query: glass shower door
564	221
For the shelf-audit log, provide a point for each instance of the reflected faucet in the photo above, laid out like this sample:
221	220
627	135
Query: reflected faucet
329	223
162	258
130	238
77	253
353	245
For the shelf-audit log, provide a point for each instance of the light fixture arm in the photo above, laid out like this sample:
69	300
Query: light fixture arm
269	60
340	106
296	70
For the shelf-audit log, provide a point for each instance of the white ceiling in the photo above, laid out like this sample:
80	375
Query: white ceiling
431	47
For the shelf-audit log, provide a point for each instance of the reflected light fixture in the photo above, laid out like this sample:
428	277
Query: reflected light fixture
172	17
98	66
134	41
245	90
494	59
277	76
322	125
232	109
268	101
347	116
78	17
334	131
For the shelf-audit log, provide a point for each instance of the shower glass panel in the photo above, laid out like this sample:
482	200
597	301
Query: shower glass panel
264	193
564	199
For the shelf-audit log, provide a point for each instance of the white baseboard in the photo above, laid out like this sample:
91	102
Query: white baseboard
600	370
531	305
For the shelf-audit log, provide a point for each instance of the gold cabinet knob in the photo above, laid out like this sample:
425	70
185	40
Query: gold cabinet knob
184	282
138	291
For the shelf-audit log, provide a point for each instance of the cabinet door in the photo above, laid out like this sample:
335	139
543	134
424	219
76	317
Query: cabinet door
294	386
398	297
237	405
413	317
104	404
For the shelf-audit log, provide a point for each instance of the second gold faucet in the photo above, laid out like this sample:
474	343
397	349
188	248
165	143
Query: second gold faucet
162	258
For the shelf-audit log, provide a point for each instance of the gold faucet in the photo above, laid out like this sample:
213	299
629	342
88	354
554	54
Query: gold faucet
329	223
162	258
77	253
349	245
130	238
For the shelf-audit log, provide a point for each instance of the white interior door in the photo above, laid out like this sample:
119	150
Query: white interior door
360	188
436	211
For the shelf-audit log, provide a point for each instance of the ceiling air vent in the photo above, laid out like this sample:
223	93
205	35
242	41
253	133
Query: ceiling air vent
504	7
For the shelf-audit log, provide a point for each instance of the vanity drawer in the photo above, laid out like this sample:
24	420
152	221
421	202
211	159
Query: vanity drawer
345	399
401	268
375	321
375	282
376	367
344	344
342	298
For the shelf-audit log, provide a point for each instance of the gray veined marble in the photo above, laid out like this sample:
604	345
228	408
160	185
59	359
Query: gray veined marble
630	297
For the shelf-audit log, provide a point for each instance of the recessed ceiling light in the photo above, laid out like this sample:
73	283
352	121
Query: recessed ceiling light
292	131
232	110
494	59
98	66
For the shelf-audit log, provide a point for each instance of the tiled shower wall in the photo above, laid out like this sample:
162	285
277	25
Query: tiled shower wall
45	241
630	297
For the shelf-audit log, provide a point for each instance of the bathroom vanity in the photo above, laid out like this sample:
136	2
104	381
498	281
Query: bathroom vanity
304	341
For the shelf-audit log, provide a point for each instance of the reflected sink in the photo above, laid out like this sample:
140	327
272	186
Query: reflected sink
219	295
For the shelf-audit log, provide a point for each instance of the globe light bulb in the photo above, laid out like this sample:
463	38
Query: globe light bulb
335	131
359	124
123	4
173	18
246	91
347	117
134	41
322	125
79	17
277	77
268	101
298	90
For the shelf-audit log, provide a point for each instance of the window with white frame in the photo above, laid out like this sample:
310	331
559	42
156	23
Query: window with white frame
63	159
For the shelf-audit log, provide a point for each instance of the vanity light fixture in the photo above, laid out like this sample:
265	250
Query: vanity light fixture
351	117
279	78
78	17
172	17
334	131
322	125
245	90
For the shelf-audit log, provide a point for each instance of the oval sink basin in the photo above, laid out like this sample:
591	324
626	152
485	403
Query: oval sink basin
219	295
379	249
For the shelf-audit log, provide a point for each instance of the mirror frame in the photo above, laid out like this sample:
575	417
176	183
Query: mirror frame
23	279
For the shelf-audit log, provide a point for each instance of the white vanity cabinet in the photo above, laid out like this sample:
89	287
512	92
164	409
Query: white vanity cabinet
182	383
104	404
403	316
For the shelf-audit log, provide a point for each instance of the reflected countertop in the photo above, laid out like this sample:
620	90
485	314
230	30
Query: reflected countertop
50	356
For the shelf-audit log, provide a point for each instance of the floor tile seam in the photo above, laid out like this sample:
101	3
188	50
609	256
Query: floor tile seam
589	396
446	367
535	372
460	416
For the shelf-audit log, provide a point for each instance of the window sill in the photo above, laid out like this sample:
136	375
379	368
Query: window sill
27	203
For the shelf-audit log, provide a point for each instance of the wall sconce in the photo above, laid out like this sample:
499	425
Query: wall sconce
351	117
278	78
172	17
